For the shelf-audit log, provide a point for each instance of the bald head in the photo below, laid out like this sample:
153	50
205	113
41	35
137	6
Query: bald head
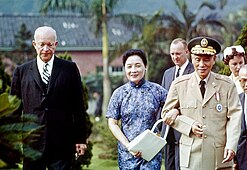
45	30
243	72
243	77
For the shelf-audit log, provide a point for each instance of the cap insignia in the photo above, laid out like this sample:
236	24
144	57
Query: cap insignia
204	42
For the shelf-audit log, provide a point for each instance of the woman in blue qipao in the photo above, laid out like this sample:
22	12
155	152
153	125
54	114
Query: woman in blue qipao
134	104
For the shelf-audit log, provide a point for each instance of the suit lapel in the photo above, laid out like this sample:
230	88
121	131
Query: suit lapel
173	73
35	73
212	88
188	69
242	100
194	88
55	71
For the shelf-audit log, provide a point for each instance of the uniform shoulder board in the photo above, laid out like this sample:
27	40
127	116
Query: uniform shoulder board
222	77
182	78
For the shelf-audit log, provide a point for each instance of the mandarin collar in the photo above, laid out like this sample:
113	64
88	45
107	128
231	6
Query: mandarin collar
141	82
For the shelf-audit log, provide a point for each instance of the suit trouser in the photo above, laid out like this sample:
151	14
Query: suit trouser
171	152
40	164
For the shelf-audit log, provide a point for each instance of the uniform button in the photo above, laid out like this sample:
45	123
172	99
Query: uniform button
205	136
204	126
46	109
203	116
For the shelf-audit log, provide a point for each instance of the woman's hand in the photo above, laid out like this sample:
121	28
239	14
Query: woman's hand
136	154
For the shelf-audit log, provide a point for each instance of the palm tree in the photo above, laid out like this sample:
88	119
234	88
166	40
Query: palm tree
190	25
151	40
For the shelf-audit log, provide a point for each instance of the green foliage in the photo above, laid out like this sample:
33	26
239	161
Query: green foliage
24	50
22	39
8	104
65	56
94	82
4	79
107	142
221	68
242	39
14	132
74	5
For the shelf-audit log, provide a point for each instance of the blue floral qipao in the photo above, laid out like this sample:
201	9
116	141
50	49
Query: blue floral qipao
136	107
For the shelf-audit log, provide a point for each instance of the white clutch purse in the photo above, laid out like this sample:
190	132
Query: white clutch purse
148	142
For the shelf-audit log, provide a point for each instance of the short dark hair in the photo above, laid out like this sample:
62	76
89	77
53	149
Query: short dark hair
227	58
137	52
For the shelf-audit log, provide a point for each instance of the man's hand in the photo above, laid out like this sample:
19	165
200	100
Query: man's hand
197	129
80	149
171	116
228	155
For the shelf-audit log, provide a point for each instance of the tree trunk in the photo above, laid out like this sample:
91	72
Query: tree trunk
106	78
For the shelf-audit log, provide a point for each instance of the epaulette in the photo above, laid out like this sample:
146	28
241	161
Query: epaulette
222	77
182	78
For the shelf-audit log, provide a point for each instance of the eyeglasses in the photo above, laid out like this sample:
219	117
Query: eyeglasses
50	45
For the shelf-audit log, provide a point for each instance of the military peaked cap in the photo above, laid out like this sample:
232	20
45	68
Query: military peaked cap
204	45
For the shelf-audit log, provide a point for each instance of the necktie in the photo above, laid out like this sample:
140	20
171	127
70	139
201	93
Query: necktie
177	75
202	87
45	74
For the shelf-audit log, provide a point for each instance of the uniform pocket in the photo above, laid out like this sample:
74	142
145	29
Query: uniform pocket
185	150
219	151
190	104
189	108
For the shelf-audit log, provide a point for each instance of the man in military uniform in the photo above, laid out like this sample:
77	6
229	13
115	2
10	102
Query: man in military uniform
205	108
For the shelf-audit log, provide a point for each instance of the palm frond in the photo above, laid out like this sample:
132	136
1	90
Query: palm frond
208	5
132	20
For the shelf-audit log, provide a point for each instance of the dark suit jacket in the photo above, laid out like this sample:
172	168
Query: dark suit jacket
60	110
168	77
242	144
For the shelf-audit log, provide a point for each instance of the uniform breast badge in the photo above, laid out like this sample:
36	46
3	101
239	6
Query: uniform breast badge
219	106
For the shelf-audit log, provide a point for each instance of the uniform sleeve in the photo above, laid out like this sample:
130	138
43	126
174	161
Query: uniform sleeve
183	124
233	126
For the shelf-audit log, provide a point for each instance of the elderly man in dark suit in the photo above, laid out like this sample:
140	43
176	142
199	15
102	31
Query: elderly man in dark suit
51	89
242	144
179	54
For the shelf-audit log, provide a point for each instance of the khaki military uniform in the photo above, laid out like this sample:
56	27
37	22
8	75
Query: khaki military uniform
219	113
